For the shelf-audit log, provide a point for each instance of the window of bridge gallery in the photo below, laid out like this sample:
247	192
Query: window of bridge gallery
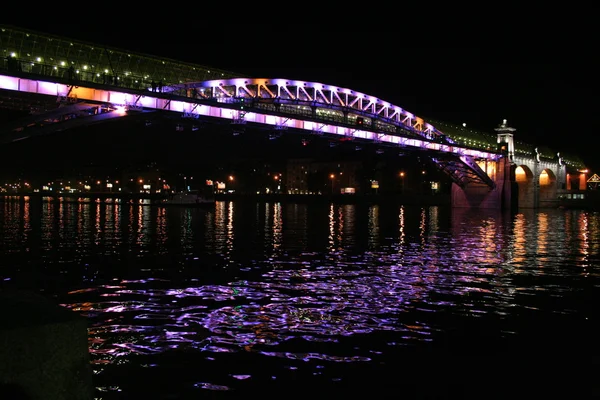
488	167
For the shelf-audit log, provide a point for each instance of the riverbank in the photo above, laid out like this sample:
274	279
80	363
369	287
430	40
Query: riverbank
412	199
590	202
409	199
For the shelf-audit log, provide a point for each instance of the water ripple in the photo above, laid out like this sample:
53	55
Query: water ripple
228	297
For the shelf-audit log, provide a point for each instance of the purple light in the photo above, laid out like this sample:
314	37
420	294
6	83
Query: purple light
120	98
9	82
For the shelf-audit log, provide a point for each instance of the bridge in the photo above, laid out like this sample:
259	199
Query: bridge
66	83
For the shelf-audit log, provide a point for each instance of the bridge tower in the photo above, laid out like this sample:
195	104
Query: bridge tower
505	135
506	166
504	193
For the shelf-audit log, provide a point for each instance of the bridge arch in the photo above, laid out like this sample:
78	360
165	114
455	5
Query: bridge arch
536	189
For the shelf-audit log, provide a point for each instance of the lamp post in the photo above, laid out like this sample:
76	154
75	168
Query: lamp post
402	182
231	179
332	176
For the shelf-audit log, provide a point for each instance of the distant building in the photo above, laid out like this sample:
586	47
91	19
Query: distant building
142	179
306	176
296	176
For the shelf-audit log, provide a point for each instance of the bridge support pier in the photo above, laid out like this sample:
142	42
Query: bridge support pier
505	194
478	195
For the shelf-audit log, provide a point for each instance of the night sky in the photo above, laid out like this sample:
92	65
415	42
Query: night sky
538	82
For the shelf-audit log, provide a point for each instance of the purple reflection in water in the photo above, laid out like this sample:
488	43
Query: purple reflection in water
213	304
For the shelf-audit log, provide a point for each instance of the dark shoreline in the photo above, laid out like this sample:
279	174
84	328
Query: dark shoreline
280	198
591	202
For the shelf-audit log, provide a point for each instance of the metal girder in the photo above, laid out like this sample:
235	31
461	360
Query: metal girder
31	102
42	129
62	118
57	115
463	170
313	94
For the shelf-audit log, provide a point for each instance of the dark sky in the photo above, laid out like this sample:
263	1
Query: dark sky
541	81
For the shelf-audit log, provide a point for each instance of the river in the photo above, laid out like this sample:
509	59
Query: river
320	299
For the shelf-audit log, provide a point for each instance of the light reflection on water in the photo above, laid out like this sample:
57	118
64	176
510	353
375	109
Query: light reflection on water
299	287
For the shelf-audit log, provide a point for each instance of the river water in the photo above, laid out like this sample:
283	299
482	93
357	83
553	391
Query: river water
323	300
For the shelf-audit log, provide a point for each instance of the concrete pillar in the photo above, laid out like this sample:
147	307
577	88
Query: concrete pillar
477	195
537	171
43	350
506	180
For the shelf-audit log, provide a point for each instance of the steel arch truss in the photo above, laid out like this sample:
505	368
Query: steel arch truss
343	105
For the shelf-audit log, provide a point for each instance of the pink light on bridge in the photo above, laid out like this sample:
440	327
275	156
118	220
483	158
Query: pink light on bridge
117	97
121	110
145	101
8	82
361	134
177	106
48	88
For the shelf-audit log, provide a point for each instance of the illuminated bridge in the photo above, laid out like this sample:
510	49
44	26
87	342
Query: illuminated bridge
66	84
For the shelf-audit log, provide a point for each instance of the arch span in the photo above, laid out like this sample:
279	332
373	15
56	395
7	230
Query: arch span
347	105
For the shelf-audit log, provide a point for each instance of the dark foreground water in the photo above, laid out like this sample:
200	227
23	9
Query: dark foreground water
319	300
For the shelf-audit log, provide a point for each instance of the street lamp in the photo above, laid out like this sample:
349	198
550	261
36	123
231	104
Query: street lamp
332	176
277	178
402	182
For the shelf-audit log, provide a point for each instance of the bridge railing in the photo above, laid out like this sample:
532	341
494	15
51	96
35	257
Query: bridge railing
67	75
39	50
